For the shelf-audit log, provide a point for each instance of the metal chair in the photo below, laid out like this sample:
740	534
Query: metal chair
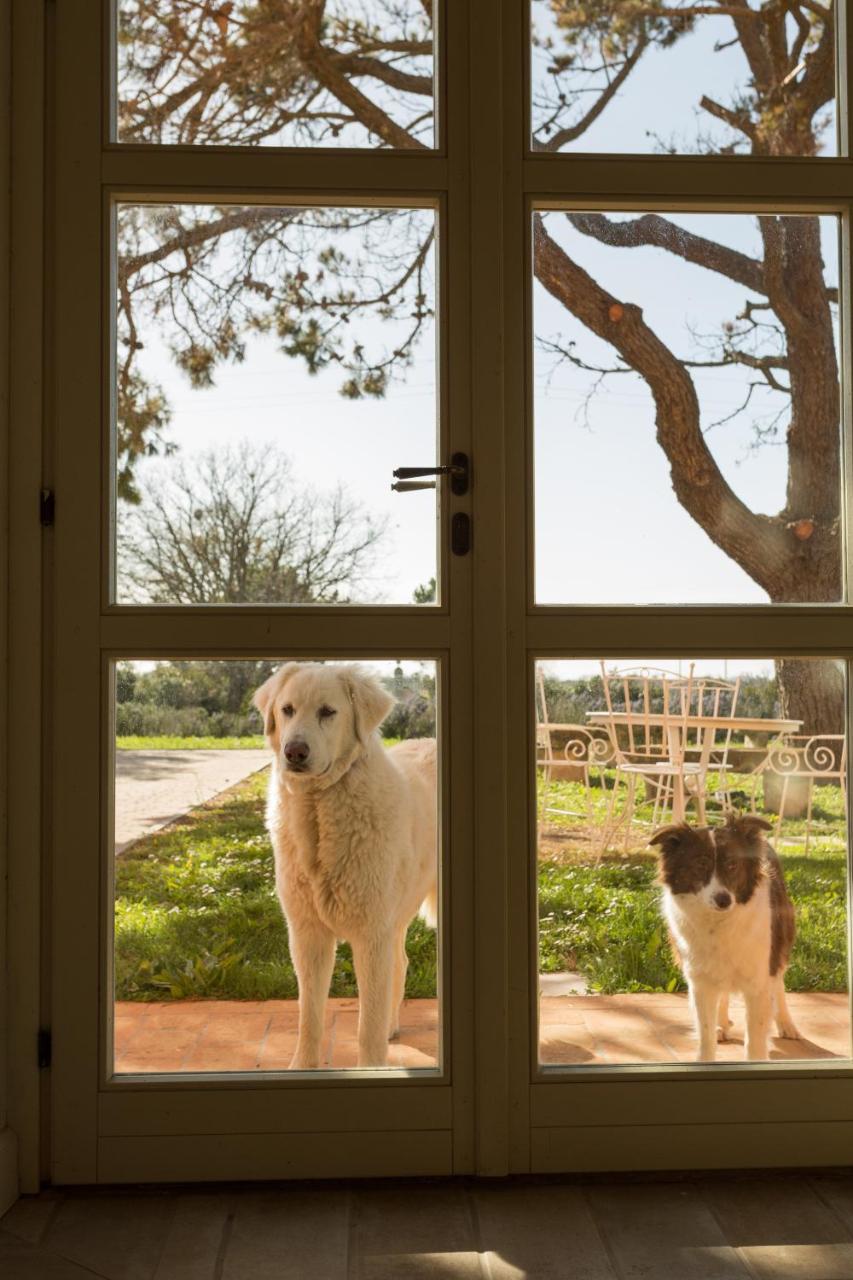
649	707
586	749
712	699
815	757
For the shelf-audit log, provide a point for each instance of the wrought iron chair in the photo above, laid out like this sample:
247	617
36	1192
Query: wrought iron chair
587	748
648	709
818	757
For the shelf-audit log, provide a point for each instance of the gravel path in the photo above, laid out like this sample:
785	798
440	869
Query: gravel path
153	788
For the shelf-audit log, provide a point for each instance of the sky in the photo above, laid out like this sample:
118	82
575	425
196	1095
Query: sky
608	527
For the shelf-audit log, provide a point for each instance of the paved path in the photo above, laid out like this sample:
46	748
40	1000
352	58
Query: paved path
153	788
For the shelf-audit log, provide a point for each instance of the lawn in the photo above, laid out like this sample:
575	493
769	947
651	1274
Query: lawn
197	915
604	921
164	743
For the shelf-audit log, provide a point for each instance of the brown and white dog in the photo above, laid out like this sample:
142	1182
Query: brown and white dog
732	927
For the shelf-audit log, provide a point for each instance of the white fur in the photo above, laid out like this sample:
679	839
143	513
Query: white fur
355	845
724	951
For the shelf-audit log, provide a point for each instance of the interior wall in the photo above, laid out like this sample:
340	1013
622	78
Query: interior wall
8	1154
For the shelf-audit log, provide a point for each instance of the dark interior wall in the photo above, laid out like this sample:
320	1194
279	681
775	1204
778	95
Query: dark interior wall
8	1173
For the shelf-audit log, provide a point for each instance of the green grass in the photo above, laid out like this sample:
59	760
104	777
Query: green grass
605	922
197	916
165	743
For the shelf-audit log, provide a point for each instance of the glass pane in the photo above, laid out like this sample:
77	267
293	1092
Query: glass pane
687	425
330	73
219	930
273	366
692	846
756	79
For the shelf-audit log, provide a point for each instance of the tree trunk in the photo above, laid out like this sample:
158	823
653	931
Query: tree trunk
812	690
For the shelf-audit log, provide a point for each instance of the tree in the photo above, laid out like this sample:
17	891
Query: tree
236	528
425	592
308	71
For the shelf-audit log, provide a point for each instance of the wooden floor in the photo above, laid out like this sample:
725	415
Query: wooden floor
231	1035
736	1228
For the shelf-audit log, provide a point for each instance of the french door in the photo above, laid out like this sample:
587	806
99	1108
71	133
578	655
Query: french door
253	306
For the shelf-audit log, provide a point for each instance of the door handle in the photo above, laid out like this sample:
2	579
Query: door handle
459	472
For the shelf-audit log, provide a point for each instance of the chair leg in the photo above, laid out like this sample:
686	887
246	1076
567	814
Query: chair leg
782	799
809	817
630	804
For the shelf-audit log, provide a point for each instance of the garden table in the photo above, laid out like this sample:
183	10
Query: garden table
706	728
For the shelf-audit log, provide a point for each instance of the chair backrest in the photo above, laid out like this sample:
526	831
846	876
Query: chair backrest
806	755
645	704
714	699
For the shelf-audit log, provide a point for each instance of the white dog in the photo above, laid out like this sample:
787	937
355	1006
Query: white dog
353	828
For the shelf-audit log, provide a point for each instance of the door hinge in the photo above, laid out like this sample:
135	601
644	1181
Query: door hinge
47	507
44	1042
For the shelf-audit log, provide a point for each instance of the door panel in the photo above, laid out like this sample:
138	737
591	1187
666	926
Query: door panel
114	636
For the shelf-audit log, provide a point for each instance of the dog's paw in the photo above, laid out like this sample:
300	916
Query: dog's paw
394	1033
301	1062
787	1031
723	1033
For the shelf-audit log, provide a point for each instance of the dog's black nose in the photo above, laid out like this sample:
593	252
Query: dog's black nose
723	900
296	751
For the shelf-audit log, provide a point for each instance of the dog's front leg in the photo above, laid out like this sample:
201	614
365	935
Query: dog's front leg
705	999
312	949
374	970
758	1010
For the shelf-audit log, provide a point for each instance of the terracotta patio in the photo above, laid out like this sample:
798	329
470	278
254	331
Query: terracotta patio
232	1035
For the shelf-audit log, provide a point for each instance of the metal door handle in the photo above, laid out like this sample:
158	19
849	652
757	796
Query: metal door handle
459	472
405	486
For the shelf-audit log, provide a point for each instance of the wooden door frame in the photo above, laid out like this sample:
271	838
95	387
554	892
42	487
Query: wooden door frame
508	1116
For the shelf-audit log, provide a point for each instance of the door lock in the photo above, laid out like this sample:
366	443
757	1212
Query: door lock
459	472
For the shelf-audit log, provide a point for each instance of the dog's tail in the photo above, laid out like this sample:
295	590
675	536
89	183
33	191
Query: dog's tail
429	908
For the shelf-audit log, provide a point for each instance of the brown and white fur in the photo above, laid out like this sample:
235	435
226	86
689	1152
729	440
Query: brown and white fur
732	927
353	828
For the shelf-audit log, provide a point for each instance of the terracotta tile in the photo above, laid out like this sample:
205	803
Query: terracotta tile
568	1049
179	1014
574	1029
277	1049
221	1056
131	1009
226	1009
286	1019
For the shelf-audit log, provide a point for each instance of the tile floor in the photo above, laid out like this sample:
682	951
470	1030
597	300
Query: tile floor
231	1035
741	1227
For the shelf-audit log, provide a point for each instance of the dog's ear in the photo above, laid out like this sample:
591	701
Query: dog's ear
671	837
748	826
370	702
264	697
